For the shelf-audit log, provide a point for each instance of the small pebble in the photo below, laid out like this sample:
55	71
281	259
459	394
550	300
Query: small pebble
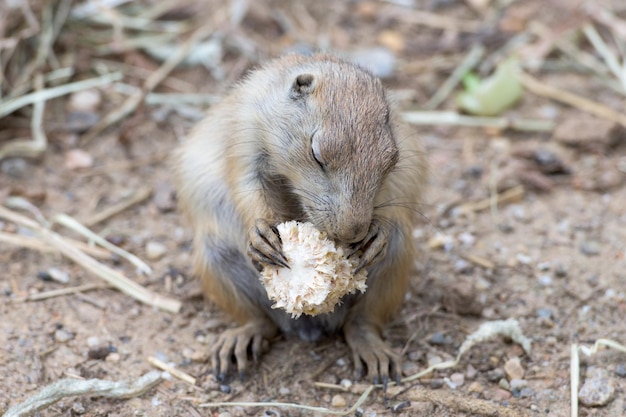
113	357
78	408
523	259
518	384
471	372
338	401
77	159
590	248
476	387
62	336
436	383
86	100
225	388
346	383
14	167
80	121
545	280
513	368
155	250
620	370
495	375
341	362
433	359
462	266
284	391
380	61
439	338
93	341
598	389
560	271
526	392
59	275
504	384
98	352
457	378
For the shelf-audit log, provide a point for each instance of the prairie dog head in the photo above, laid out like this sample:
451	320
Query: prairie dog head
327	146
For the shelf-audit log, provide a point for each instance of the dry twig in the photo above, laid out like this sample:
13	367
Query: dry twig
571	99
456	119
92	387
177	373
136	198
106	273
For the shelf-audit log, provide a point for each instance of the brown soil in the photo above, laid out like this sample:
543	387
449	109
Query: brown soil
558	253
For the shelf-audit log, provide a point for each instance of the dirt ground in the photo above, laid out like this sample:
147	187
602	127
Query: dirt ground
553	258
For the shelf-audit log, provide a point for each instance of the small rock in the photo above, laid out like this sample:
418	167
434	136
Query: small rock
457	378
225	388
461	266
346	383
380	61
545	280
410	368
500	395
86	100
590	248
495	374
620	370
284	391
155	250
338	401
14	167
598	389
526	392
436	383
513	368
470	372
113	357
462	298
78	408
433	359
476	387
98	352
62	336
589	133
93	341
518	384
77	159
504	384
438	338
59	276
80	121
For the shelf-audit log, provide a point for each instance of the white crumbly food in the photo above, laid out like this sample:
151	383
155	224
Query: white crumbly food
319	275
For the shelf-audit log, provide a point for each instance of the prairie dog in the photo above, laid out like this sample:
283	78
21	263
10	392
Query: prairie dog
309	139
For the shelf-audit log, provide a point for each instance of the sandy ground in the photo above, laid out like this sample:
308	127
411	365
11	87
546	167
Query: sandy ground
553	259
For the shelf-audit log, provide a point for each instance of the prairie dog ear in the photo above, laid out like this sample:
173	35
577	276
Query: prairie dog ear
302	86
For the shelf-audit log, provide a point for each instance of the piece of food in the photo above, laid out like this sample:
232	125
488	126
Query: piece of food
319	275
493	95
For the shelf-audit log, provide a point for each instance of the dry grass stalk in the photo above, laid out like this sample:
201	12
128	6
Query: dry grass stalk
111	276
452	118
36	244
177	373
90	387
151	82
136	198
73	224
63	291
542	89
511	195
606	53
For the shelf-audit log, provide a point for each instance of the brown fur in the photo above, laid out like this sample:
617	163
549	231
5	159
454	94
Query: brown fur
324	148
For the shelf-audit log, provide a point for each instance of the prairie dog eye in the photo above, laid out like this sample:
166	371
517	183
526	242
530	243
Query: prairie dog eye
315	151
